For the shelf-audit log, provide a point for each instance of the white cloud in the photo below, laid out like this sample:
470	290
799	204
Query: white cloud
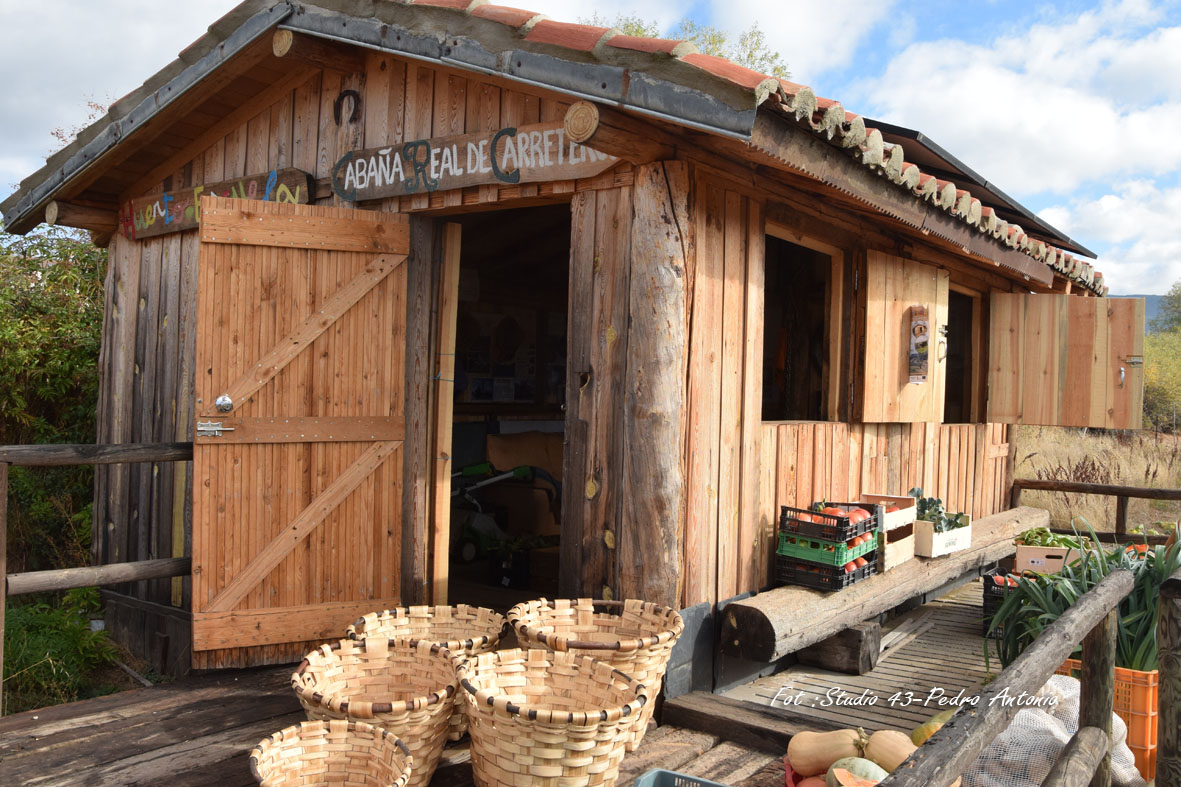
1049	110
1137	224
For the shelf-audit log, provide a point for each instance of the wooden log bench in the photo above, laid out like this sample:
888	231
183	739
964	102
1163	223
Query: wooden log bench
772	624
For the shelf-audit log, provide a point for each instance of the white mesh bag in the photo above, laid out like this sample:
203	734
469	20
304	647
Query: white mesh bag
1023	754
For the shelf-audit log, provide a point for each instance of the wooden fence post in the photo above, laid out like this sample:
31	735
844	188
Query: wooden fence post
1168	753
3	568
1121	514
1098	687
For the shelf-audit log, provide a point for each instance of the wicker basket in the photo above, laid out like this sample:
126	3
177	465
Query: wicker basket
547	719
635	637
406	687
461	629
336	752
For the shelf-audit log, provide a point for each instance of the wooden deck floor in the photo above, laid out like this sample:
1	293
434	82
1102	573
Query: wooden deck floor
199	731
947	655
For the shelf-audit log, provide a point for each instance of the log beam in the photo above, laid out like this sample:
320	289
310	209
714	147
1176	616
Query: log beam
96	576
1168	628
1098	688
952	750
1078	761
91	454
318	52
103	221
783	620
853	651
617	134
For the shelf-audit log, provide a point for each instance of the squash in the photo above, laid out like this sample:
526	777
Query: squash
811	753
931	726
889	748
859	767
842	778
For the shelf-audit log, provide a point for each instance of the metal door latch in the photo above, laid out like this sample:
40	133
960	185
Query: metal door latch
212	429
1135	360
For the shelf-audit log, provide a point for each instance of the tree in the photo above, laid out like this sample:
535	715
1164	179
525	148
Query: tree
750	49
1162	379
1169	317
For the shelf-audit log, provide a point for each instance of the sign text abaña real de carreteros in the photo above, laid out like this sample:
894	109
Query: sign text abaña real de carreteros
529	154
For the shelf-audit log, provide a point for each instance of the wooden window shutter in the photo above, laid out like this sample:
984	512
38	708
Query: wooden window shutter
1065	360
893	286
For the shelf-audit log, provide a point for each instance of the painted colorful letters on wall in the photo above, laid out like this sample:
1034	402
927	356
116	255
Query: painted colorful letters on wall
180	210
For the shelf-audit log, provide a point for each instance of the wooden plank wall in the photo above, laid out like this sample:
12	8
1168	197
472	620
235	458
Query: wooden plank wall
964	464
144	511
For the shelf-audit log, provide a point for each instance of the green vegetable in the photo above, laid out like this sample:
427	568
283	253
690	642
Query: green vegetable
930	509
1039	600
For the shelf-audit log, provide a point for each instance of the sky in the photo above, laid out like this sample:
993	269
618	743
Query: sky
1072	108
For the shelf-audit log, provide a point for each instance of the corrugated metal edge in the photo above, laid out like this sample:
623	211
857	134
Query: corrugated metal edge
126	116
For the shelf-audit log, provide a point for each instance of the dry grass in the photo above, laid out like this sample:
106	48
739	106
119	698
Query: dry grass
1126	458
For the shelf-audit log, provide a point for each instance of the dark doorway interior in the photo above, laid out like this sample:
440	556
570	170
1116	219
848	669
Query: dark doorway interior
957	401
510	382
795	341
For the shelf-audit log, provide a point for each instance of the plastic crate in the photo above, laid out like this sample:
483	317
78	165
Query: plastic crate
833	553
1136	697
790	571
994	595
663	778
827	527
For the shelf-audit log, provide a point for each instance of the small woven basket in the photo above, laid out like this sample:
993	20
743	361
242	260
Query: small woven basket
635	637
406	687
331	752
546	719
461	629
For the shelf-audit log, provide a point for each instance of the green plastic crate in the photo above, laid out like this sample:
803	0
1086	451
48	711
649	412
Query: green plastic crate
663	778
814	550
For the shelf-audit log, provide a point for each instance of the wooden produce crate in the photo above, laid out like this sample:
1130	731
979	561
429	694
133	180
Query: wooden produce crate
1043	560
906	515
896	547
928	543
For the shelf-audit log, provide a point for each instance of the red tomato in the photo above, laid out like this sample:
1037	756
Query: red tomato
850	567
861	562
803	518
856	516
833	511
892	509
852	542
864	514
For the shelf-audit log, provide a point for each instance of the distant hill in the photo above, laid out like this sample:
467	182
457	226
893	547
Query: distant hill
1151	307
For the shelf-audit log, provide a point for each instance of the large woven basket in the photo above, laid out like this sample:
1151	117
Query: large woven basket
547	719
461	629
331	752
406	687
636	637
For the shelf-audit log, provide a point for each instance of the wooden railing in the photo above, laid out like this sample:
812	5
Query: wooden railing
69	578
952	750
1123	496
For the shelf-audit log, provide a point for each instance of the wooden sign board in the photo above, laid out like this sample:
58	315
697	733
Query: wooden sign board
529	154
176	211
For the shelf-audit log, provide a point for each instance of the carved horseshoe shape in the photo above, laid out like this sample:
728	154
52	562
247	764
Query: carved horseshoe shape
340	101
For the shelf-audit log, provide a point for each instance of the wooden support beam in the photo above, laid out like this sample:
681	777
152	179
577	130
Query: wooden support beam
96	576
854	651
83	217
444	381
952	750
1078	761
765	727
1098	687
617	134
1121	514
1168	637
318	52
783	620
89	454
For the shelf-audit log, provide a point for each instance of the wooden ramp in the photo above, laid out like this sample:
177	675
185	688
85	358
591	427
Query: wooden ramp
940	649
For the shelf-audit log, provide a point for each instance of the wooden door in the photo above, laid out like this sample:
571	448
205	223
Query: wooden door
298	476
893	288
1065	360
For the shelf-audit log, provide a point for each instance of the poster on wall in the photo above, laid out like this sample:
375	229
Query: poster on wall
919	333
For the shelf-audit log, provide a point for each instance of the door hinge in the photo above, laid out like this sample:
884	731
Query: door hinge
212	429
1135	360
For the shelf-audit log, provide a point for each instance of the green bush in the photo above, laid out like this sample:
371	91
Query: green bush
50	653
1162	380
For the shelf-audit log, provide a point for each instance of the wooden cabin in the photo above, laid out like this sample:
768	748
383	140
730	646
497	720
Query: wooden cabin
358	247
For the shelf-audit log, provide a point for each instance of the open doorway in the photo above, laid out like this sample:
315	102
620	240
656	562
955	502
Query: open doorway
957	398
508	409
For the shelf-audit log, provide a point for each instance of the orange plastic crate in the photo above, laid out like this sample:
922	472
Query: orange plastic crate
1135	702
